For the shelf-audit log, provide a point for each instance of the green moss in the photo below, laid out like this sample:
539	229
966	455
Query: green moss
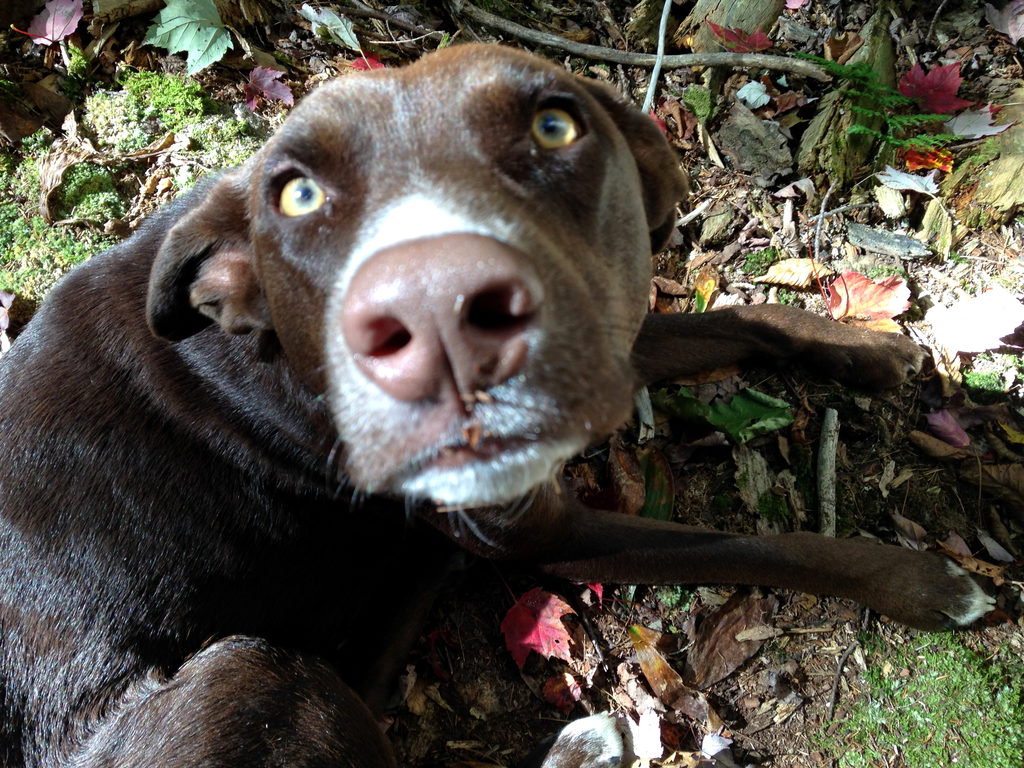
87	191
772	508
699	101
878	271
933	703
757	263
148	105
34	254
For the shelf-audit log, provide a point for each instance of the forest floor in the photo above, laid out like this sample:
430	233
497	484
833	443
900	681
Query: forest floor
781	679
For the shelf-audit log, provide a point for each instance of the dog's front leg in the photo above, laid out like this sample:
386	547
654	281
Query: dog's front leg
673	345
567	539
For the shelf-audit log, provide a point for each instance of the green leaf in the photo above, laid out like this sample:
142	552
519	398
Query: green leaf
192	27
750	413
659	496
328	24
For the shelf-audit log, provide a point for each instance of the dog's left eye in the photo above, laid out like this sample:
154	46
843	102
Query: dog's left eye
553	128
300	196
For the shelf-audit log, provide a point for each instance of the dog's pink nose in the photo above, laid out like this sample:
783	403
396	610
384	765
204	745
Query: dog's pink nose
448	310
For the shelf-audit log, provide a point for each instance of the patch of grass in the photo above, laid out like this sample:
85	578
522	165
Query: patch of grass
932	703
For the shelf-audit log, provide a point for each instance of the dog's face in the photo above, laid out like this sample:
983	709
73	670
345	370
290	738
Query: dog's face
456	253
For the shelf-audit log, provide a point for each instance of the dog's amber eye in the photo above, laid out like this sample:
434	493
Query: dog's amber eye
300	196
554	128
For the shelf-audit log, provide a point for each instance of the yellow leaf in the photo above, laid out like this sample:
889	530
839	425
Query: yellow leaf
795	273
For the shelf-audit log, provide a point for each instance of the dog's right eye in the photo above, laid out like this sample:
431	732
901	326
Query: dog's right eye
300	196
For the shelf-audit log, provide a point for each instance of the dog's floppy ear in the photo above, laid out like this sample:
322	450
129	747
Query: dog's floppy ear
204	269
664	183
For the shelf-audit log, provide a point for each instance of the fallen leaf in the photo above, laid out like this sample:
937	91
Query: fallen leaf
795	273
753	94
659	494
909	533
705	286
264	82
665	682
854	295
908	182
944	426
715	652
57	20
368	61
1009	20
975	123
534	624
972	564
738	41
1005	481
937	449
994	548
793	189
562	691
932	158
936	89
748	414
192	27
646	735
329	25
977	324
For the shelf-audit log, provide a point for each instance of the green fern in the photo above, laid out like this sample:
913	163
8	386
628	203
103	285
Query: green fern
882	103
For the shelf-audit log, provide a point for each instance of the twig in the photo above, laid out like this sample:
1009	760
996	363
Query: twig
935	17
600	53
827	444
652	87
821	220
840	209
833	699
388	18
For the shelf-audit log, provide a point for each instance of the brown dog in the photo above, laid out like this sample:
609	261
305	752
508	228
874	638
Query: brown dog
428	287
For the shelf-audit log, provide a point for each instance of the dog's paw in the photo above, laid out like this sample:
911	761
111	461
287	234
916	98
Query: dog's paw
590	742
933	594
864	358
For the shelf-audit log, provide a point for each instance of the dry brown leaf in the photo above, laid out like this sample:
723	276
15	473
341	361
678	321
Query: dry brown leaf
973	565
937	449
1003	480
716	653
795	273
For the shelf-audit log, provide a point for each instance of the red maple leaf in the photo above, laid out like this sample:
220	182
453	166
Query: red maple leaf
534	624
368	61
932	158
56	21
263	81
936	90
738	41
854	295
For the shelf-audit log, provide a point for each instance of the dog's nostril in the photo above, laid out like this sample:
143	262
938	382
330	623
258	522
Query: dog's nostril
386	336
505	308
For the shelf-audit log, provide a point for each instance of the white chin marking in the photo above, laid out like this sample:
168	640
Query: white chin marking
497	480
975	604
